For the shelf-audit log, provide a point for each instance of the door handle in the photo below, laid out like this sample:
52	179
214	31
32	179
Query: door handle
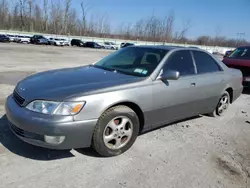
192	84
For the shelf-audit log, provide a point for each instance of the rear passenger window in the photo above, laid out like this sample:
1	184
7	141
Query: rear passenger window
205	63
180	61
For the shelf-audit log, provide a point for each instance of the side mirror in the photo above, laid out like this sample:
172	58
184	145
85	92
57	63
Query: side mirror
170	75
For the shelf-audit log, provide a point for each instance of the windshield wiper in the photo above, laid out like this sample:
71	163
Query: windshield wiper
116	70
104	68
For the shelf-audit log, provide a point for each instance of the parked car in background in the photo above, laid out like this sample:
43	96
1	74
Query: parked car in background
4	38
240	59
44	41
66	42
56	42
227	53
77	42
12	37
93	45
107	104
110	46
23	39
51	41
123	45
39	39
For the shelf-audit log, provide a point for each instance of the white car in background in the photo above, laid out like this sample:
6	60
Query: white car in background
12	37
59	42
66	42
110	45
23	39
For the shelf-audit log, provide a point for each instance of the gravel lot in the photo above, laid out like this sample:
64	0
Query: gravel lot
201	152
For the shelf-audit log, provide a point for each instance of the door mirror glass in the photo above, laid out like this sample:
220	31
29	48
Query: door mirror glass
170	75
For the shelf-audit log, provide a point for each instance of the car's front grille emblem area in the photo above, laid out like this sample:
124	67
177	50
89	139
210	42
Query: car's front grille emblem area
19	100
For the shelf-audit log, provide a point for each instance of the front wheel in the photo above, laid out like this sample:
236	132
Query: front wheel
222	105
115	131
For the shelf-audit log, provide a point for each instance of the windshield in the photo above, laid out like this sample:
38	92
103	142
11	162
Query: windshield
136	61
241	53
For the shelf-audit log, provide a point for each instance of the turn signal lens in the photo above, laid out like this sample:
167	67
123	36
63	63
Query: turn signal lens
69	108
77	108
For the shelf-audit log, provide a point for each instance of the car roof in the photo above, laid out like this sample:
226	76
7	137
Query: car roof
164	47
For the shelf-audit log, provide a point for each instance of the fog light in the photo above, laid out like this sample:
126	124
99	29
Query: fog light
54	139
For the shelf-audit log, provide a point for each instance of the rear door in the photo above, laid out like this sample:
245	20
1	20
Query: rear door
209	83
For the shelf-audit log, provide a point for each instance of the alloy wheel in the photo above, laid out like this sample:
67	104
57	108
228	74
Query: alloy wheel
118	132
223	104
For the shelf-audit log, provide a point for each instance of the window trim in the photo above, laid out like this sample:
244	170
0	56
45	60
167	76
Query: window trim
219	66
184	76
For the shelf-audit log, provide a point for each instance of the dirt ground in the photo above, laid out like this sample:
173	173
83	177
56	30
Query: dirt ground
202	152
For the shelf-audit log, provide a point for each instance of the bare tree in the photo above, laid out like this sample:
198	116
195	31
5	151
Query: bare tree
30	4
46	17
38	20
66	15
84	9
185	28
169	27
139	29
3	13
56	22
22	12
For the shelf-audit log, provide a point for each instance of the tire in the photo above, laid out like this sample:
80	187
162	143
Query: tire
217	111
111	137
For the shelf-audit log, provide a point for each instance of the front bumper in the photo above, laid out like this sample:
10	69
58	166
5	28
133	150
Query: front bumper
31	127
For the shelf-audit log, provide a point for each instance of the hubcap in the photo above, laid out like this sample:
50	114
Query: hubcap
223	104
118	132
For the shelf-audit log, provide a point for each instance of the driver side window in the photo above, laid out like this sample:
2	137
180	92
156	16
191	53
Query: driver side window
180	61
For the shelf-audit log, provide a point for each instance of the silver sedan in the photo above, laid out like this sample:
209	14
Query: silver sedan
107	104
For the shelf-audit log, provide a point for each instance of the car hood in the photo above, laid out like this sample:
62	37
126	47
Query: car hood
236	62
61	84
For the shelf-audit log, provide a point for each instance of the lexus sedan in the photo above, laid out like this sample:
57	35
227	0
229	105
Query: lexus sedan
106	105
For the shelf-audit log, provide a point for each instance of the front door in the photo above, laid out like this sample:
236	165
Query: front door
174	99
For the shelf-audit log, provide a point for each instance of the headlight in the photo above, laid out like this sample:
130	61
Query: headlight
57	108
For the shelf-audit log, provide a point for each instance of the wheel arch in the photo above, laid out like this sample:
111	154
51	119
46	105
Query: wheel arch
135	107
230	92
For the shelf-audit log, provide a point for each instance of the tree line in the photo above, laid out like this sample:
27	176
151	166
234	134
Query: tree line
60	17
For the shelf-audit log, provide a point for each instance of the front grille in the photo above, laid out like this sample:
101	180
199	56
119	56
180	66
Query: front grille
26	134
18	98
245	70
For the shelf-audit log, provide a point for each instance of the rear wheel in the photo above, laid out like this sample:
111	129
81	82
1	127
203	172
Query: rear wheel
115	131
222	105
